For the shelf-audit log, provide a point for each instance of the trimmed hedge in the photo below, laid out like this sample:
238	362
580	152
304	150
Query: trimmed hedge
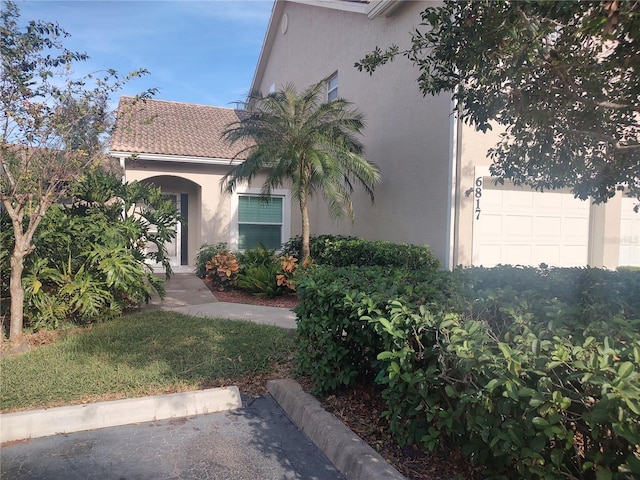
534	372
336	347
341	251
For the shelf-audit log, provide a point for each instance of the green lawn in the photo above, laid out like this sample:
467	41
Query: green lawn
141	354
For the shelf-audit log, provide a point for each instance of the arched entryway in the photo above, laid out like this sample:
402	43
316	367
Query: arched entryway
187	197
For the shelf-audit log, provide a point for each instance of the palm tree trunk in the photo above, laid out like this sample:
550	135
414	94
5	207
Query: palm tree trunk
306	250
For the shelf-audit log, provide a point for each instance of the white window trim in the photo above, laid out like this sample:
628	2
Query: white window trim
286	213
329	78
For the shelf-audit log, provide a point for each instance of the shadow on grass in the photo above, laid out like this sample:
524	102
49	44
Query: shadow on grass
142	354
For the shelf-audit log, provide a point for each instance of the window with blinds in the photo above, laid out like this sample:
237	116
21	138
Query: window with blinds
332	88
259	222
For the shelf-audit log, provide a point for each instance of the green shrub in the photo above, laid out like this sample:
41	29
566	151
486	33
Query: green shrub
261	281
264	274
90	260
537	377
335	346
255	257
532	371
205	254
343	251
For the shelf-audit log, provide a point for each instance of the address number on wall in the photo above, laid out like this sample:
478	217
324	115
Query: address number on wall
477	196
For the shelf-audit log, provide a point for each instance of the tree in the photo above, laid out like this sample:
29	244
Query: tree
52	128
561	77
93	251
312	144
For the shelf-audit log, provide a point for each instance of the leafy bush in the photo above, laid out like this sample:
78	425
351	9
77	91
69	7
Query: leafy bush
317	244
205	254
264	274
534	372
286	276
223	270
261	281
343	251
335	346
91	258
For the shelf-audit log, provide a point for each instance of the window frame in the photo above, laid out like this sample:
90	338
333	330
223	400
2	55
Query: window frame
285	229
331	90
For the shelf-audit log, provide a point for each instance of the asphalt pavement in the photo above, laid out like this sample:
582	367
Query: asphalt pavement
281	436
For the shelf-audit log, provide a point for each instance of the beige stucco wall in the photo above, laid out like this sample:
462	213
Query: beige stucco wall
473	148
209	207
407	136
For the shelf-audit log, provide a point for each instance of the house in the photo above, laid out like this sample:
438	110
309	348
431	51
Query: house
178	147
436	186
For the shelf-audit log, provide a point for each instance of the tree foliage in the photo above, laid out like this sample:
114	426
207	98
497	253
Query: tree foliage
561	77
93	253
52	127
314	145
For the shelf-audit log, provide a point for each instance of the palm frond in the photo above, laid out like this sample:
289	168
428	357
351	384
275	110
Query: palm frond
311	144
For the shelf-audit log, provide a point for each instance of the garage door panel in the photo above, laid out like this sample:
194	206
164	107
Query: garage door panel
517	254
493	201
492	226
525	200
574	227
491	256
545	227
518	226
523	227
549	254
574	256
547	202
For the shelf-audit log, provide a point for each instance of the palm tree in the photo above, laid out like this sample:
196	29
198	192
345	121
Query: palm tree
312	144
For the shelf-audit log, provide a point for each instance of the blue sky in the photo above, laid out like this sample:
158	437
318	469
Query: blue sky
196	51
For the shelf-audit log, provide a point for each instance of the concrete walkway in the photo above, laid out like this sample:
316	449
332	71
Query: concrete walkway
281	436
186	293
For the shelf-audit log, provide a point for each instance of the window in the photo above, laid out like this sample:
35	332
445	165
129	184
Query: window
258	221
332	88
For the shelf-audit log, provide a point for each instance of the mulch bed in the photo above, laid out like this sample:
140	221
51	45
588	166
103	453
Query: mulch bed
239	296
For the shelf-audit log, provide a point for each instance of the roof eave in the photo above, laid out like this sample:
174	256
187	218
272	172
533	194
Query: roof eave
383	8
158	157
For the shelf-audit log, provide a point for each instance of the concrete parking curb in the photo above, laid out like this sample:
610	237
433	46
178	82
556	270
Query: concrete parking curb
76	418
346	450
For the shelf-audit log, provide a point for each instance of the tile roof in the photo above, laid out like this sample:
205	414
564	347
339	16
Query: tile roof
174	128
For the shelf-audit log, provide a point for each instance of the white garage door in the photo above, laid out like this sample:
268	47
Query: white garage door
519	226
629	234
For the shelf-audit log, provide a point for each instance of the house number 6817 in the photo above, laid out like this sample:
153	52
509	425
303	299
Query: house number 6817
477	194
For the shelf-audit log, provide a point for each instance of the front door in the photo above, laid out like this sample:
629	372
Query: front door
174	246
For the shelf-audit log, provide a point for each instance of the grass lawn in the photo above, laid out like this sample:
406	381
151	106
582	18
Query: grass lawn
141	354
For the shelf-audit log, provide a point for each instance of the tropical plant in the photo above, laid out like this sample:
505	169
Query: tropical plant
261	281
53	129
92	257
288	268
205	254
314	145
256	256
223	270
